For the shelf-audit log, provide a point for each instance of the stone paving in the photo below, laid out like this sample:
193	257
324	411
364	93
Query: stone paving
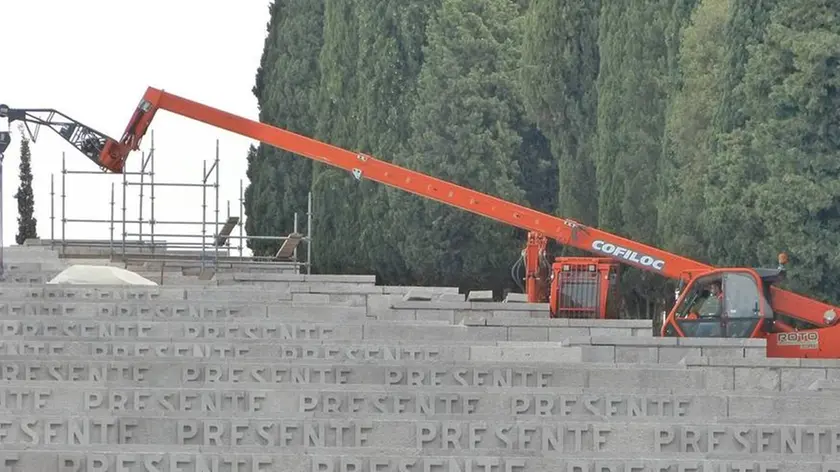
286	372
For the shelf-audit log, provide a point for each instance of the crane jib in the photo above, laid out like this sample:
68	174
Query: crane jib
628	254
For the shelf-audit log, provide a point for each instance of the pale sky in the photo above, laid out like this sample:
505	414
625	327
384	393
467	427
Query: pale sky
92	60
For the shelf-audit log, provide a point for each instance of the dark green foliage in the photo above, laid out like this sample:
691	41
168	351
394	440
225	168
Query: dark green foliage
559	73
779	171
27	223
337	198
285	86
464	130
689	129
747	21
632	99
707	127
390	56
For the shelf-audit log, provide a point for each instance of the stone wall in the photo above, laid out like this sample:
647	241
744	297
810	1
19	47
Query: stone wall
336	374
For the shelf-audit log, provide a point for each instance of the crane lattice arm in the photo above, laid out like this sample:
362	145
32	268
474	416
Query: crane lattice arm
87	140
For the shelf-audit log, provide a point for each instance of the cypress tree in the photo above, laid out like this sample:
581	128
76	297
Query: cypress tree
285	88
745	28
27	223
790	194
559	74
730	227
389	60
336	194
464	130
689	128
632	97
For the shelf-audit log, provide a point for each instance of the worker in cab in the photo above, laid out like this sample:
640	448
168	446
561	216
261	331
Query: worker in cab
715	302
708	307
709	304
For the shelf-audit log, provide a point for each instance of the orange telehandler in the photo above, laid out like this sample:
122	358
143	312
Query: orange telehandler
710	302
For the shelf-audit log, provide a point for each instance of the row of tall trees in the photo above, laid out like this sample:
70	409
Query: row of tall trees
706	127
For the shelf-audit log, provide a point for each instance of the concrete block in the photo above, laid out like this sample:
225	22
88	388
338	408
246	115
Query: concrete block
600	354
418	293
557	354
437	315
337	288
633	354
480	296
379	306
311	298
402	289
560	333
527	333
514	297
451	297
432	333
429	305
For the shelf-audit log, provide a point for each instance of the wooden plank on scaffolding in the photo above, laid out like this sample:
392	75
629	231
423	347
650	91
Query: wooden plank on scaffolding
227	228
287	250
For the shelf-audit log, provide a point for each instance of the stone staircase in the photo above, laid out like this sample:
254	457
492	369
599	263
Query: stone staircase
285	372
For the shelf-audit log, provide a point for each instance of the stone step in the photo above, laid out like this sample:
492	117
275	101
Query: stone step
61	328
45	349
259	352
561	403
539	327
173	458
497	436
313	292
42	277
479	350
665	350
274	326
157	308
793	378
179	311
189	372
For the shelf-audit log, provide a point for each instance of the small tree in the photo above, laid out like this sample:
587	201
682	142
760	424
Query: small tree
25	198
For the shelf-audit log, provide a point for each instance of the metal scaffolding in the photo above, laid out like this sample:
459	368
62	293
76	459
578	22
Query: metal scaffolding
152	246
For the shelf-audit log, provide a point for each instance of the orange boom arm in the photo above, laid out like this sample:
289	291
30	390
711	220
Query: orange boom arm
743	318
563	230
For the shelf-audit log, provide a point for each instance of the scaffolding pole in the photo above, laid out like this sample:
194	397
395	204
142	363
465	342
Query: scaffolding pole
63	196
52	210
216	230
309	233
140	203
241	215
142	238
152	192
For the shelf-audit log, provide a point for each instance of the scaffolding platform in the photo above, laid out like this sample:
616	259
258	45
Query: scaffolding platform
210	250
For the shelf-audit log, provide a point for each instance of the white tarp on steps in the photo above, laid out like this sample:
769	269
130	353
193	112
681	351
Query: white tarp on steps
99	275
